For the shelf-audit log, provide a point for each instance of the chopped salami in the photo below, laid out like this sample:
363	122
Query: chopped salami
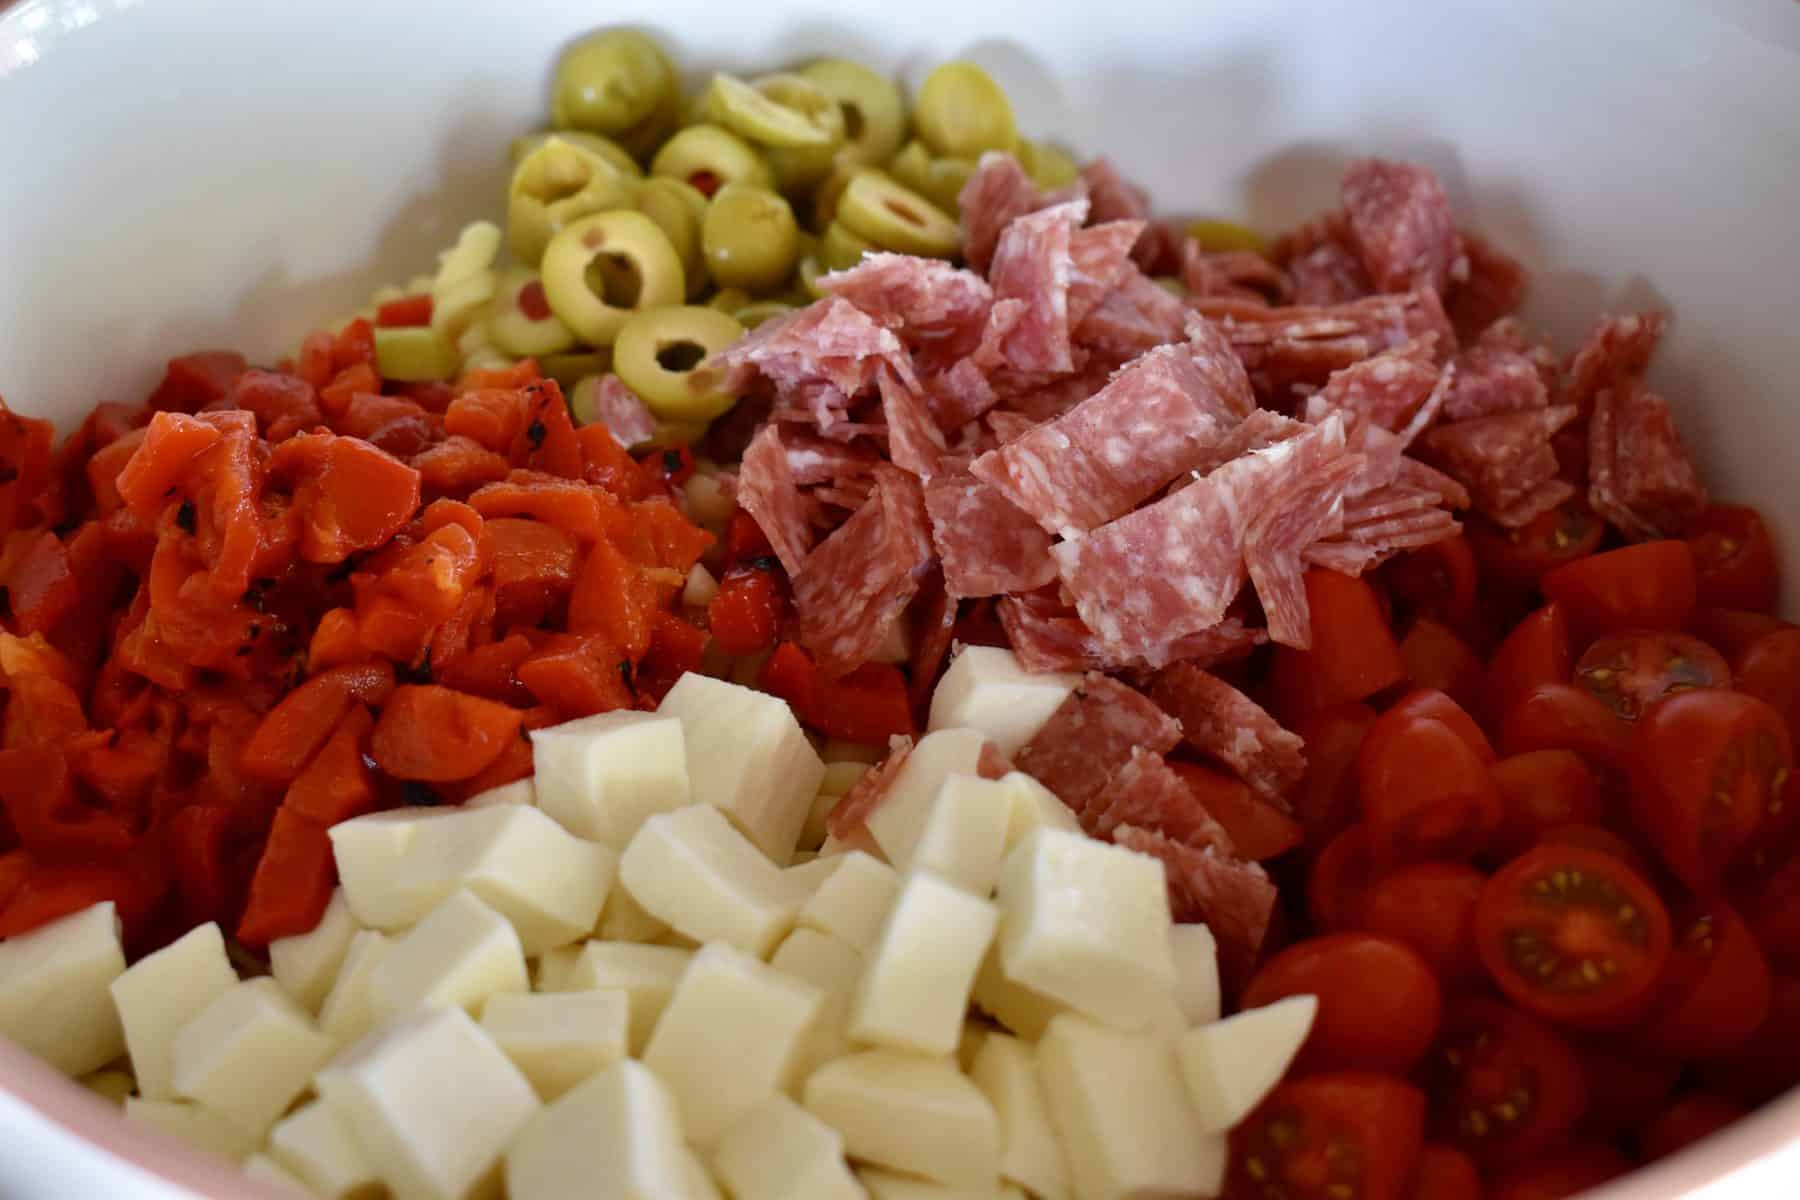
934	630
1157	418
959	395
849	817
1308	509
1259	430
1232	898
1400	219
618	408
1221	722
1102	260
1009	426
1640	476
996	194
858	581
920	296
1385	390
1090	735
1535	503
1618	350
847	494
1114	198
915	443
1499	459
989	546
1136	316
813	459
1144	791
1032	263
1491	380
1048	635
1414	473
767	491
1239	273
818	357
1493	289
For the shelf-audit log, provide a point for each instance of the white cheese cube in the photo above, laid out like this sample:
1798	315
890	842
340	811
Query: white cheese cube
316	1145
1087	923
1230	1065
248	1054
816	830
1034	806
779	1151
615	1137
899	820
551	970
975	1032
806	876
603	775
699	1180
887	1185
700	587
264	1169
459	955
1196	973
853	902
372	854
433	1103
519	791
113	1083
695	871
54	1000
841	776
730	1038
910	1112
198	1127
624	920
833	966
1005	1069
916	988
1023	1011
748	757
307	964
986	688
1119	1105
347	1013
963	837
559	1039
162	992
646	974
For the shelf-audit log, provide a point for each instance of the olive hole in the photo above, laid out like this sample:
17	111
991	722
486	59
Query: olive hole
903	212
853	121
615	279
680	356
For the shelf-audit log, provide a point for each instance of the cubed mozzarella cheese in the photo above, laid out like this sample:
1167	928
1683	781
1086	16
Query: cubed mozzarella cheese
899	820
602	776
833	966
1196	973
248	1054
162	992
1231	1065
700	587
552	968
779	1151
54	997
695	871
807	874
890	1185
319	1148
1118	1103
986	688
559	1039
459	955
731	1009
748	757
1034	806
616	1137
307	963
853	902
1087	924
1005	1069
963	836
433	1103
646	974
700	1181
624	920
347	1014
198	1127
519	791
914	1113
916	988
974	1032
1021	1010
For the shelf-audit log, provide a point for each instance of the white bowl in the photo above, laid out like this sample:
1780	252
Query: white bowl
185	173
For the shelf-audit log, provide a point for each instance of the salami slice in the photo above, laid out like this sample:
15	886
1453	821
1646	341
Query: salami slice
618	408
849	817
1401	221
1385	390
818	357
1032	263
1345	555
1493	288
1499	459
1102	259
1309	509
813	459
1491	380
1616	351
1238	273
1009	426
1114	198
959	394
1535	503
915	443
1048	635
1224	724
1092	734
1259	430
997	193
1640	476
1136	316
1232	898
1145	792
989	546
768	492
934	631
916	296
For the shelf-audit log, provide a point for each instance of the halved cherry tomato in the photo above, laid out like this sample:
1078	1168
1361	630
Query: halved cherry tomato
1734	559
1502	1085
1430	702
1561	1173
1425	793
1436	658
1379	1004
1559	716
1626	1086
1601	840
1520	557
1715	990
1436	582
1341	1134
1572	935
1706	767
1326	802
1536	652
1628	672
1540	790
1769	669
1730	631
1772	904
1353	656
1693	1118
1258	830
1767	1064
1445	1173
1338	879
1429	906
1646	586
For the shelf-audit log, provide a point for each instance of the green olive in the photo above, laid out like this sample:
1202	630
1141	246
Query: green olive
601	269
605	147
1049	165
759	118
707	157
800	167
1216	234
677	208
729	300
520	321
752	315
825	197
874	112
642	140
808	273
750	238
658	351
676	433
896	218
609	81
939	180
840	249
571	369
962	112
554	185
910	167
413	354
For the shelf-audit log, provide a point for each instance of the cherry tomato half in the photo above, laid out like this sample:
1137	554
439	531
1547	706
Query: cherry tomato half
1626	1086
1572	935
1258	830
1436	582
1601	840
1326	802
1694	1117
1730	631
1519	557
1328	1136
1436	658
1502	1085
1430	702
1628	672
1536	652
1769	669
1540	790
1734	559
1772	904
1715	990
1560	716
1646	586
1561	1173
1379	1003
1766	1065
1445	1173
1706	767
1353	656
1339	876
1429	906
1425	793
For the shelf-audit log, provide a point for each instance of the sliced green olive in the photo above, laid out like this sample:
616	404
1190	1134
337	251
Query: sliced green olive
642	140
475	250
520	321
609	81
752	315
1049	165
598	144
797	168
750	238
762	119
601	269
962	112
939	180
874	111
658	354
1217	234
709	157
840	249
554	185
413	354
808	273
571	369
830	191
909	167
454	307
677	208
892	217
729	300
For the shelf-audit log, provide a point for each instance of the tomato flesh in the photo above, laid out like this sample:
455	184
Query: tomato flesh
1329	1136
1646	586
1565	1172
1540	790
1503	1086
1734	559
1716	990
1379	1004
1521	556
1431	907
1425	792
1628	672
1692	1118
